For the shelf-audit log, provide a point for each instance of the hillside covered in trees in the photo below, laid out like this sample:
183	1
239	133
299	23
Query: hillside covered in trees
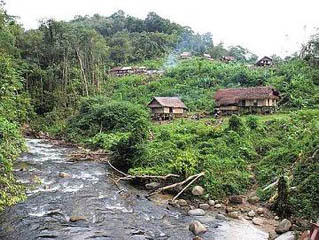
56	79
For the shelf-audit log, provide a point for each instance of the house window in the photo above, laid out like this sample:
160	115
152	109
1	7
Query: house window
255	103
170	110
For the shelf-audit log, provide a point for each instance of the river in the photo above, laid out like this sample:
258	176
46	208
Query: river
108	213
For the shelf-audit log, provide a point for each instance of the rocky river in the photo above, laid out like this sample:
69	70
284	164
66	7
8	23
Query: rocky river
84	203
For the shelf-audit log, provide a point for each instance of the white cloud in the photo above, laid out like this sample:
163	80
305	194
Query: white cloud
265	27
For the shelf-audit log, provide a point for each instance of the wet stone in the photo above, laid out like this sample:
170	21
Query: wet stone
197	228
204	206
197	191
196	212
182	202
284	226
152	185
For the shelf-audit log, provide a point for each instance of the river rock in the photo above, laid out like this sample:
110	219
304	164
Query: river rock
236	199
197	191
64	175
196	212
260	211
221	217
283	226
257	221
251	213
211	202
253	199
234	215
197	228
276	218
204	206
152	185
182	203
218	205
77	218
197	238
286	236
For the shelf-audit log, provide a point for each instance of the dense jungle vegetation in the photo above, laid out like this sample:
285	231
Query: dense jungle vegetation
56	79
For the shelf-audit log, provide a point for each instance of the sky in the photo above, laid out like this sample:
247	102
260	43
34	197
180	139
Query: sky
264	27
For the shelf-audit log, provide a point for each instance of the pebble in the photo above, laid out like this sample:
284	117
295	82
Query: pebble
197	191
211	202
204	206
277	218
257	221
251	213
218	205
182	202
234	215
260	211
196	212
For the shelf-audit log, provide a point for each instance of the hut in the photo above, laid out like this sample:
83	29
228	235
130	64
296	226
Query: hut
167	108
264	62
246	100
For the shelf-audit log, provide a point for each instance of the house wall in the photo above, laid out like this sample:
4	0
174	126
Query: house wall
160	110
178	110
228	108
260	103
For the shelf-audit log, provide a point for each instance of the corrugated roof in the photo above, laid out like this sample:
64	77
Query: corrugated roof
167	102
231	96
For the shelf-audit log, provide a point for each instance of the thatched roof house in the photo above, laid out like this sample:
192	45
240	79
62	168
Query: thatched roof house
265	61
167	107
254	99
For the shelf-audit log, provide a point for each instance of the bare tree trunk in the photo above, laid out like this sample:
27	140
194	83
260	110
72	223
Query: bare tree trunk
83	72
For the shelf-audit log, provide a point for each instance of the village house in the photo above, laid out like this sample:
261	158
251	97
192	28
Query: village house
264	62
185	55
227	59
246	100
167	108
122	71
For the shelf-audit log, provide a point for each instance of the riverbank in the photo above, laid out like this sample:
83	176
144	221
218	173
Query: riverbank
85	203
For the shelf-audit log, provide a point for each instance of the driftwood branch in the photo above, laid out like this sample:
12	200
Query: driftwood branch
176	184
131	177
190	183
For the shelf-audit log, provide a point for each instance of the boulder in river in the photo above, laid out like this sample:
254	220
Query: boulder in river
152	185
196	212
64	175
236	199
284	226
77	218
198	191
197	228
287	236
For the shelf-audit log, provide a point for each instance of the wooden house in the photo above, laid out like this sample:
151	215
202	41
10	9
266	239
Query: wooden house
167	108
246	100
264	62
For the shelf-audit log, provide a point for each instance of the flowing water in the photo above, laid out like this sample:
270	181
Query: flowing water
89	193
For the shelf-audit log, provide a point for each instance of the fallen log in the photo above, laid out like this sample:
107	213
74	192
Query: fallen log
195	177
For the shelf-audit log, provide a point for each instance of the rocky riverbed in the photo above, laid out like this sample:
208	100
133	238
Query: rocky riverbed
78	200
